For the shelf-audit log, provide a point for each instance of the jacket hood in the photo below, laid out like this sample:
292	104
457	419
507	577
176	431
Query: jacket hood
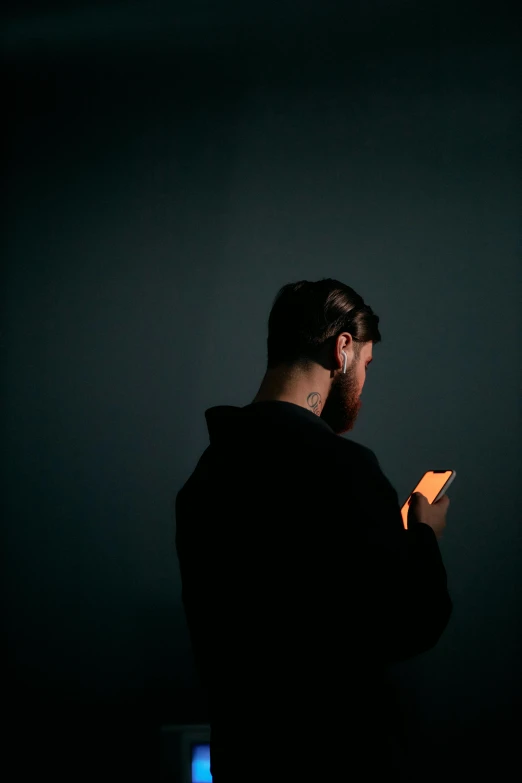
225	422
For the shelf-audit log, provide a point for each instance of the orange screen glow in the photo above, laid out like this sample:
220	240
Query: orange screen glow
430	485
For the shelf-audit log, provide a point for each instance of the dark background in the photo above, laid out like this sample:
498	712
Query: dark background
168	168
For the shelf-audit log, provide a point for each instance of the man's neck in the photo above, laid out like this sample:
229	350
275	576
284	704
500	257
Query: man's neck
306	390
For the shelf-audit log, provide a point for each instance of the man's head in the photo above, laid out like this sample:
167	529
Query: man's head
312	327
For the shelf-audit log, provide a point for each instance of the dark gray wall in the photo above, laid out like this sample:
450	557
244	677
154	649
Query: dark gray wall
166	175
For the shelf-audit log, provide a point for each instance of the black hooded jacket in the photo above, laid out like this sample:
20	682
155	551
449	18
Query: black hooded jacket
299	584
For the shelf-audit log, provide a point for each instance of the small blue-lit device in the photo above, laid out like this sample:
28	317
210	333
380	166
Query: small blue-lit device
201	763
186	753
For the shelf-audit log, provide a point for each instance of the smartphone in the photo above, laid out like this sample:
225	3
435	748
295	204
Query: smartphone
432	485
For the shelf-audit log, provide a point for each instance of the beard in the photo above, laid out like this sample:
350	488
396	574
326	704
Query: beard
343	404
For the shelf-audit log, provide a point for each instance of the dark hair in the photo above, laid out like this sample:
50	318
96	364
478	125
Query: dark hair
305	315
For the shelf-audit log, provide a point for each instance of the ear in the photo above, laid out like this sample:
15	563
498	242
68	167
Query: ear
344	344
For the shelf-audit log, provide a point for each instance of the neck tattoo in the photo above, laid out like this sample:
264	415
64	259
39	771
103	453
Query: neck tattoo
314	401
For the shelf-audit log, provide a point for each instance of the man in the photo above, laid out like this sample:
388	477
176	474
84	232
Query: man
299	582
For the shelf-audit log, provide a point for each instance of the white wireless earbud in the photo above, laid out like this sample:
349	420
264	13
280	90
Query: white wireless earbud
344	361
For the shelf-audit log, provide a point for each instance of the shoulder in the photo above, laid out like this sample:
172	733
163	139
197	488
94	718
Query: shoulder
362	465
347	449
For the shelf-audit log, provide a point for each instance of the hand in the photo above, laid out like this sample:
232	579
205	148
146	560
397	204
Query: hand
431	514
